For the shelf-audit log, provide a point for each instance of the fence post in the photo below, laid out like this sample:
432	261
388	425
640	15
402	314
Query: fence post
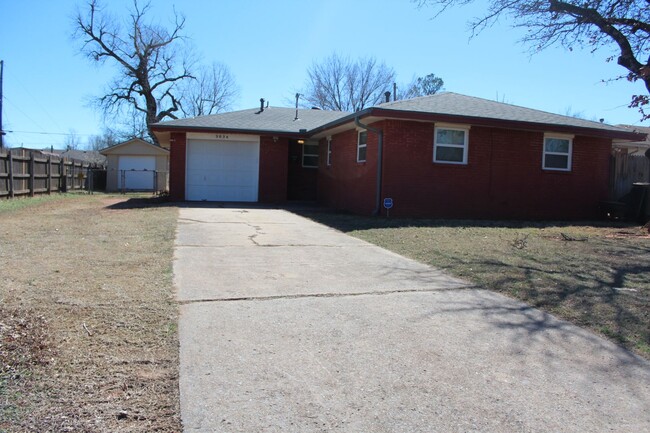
63	178
90	175
31	174
11	174
49	175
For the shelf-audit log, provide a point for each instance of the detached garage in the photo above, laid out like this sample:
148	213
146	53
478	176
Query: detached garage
136	165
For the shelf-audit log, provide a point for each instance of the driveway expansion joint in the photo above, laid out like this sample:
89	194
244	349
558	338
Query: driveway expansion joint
325	295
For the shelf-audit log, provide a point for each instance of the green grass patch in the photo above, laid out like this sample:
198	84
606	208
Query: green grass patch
16	203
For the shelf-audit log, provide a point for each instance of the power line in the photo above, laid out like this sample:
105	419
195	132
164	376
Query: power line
49	133
38	102
23	113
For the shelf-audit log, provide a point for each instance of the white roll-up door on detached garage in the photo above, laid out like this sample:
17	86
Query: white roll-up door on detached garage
222	170
132	171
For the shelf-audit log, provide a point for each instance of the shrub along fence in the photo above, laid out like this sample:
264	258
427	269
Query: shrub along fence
28	172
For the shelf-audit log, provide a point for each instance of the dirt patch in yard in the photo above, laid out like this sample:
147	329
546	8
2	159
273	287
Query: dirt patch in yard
596	275
88	338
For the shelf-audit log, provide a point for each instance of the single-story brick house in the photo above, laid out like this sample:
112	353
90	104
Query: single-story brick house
445	155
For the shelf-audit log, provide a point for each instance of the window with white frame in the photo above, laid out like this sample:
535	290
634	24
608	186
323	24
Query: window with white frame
450	145
362	146
329	150
310	154
557	152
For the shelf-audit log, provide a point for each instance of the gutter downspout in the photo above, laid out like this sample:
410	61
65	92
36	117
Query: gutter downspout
380	152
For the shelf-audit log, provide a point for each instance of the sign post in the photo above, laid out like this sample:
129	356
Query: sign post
388	204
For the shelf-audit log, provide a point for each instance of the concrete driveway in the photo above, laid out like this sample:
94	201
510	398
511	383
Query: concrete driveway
289	326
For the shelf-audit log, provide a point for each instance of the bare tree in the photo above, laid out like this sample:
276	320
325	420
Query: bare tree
341	84
72	141
621	25
107	138
423	86
149	58
212	91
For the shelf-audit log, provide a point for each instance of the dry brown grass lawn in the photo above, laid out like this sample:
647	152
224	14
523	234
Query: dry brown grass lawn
88	338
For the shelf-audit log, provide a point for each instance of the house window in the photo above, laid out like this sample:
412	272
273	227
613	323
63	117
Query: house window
557	153
362	146
310	154
450	145
329	151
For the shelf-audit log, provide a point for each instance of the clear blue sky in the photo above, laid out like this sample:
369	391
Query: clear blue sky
268	46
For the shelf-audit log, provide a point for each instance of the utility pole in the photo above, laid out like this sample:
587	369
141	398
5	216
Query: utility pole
2	133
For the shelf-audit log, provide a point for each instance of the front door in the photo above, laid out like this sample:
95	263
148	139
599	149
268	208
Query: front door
302	176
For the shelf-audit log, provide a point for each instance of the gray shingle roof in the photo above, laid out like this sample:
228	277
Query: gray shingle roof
272	119
454	104
281	120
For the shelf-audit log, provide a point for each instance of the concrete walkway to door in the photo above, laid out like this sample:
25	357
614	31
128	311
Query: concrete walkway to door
290	326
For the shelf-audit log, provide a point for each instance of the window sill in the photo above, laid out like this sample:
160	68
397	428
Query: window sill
450	164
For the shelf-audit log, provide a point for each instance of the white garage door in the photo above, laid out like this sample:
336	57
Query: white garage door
222	171
132	172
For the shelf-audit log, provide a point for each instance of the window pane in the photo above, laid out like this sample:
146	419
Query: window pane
451	154
310	161
451	136
310	149
556	161
362	154
363	137
329	152
557	145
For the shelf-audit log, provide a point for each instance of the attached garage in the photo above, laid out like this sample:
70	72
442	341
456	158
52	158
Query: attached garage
136	165
223	170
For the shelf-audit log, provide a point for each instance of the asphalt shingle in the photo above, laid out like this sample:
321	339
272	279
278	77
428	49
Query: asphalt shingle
455	104
277	119
282	120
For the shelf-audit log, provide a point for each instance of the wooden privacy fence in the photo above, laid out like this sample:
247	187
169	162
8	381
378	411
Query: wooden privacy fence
25	172
626	170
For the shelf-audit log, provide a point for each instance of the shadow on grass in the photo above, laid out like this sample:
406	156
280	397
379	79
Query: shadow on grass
530	331
346	222
141	203
580	293
601	284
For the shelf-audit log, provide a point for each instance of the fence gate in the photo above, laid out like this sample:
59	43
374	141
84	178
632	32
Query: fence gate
625	170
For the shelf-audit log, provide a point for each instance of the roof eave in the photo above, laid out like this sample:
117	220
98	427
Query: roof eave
109	149
213	130
341	121
510	124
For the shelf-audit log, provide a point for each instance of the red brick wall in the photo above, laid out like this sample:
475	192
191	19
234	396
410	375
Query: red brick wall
348	184
177	157
273	170
503	178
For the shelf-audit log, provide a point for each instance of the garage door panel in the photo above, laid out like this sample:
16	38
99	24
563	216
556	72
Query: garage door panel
222	171
135	177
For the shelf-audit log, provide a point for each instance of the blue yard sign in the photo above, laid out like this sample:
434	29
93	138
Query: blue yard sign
388	203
